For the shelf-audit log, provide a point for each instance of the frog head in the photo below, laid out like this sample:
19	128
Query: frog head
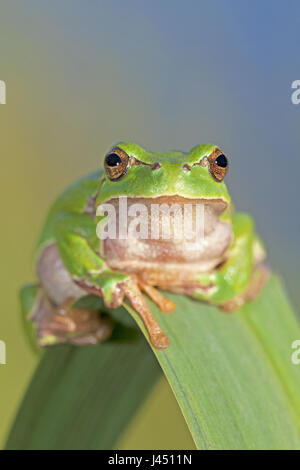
137	173
174	182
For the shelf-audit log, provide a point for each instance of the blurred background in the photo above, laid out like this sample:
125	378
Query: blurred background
82	75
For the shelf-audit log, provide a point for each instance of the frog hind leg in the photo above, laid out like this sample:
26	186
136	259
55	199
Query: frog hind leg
51	324
259	277
67	324
242	275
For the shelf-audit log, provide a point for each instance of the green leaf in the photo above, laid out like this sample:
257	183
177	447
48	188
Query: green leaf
232	375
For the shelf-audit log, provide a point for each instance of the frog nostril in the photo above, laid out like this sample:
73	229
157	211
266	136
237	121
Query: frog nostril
186	167
156	166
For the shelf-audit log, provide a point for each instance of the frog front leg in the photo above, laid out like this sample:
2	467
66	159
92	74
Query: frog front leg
242	275
76	239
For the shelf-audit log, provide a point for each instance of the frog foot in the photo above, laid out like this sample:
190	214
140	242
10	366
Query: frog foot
259	277
68	324
133	293
166	305
131	288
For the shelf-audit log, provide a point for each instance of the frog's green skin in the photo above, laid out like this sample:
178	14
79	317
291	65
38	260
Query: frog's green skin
71	229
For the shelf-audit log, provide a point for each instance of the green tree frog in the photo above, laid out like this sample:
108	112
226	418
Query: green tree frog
224	268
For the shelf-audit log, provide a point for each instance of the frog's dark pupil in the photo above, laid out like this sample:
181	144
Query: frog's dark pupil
221	160
113	159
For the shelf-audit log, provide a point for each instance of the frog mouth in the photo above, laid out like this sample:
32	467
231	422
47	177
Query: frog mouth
219	205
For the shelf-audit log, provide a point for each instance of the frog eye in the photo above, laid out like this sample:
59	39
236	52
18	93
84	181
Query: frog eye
218	164
116	163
